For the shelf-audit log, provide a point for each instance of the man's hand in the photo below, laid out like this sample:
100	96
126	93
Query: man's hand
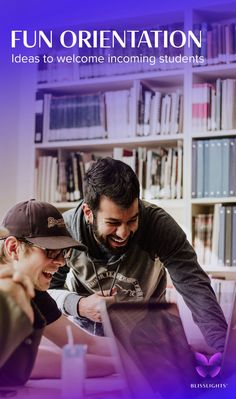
89	306
18	277
19	287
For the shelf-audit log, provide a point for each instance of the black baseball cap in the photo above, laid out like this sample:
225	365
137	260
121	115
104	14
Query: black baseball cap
40	223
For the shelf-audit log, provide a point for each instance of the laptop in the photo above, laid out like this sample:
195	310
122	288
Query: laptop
151	349
154	358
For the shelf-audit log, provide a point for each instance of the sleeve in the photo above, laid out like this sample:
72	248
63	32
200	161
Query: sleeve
47	306
14	327
66	301
178	256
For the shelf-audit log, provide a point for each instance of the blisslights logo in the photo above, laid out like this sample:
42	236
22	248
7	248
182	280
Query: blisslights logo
206	385
208	366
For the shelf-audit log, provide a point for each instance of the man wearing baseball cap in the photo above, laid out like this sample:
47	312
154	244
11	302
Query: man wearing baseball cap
36	245
16	313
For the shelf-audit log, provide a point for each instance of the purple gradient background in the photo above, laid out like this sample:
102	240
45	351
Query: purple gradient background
41	14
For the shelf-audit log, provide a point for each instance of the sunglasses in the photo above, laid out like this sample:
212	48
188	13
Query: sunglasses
52	253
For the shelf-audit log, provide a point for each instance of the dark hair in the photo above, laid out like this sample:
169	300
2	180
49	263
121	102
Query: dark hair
114	179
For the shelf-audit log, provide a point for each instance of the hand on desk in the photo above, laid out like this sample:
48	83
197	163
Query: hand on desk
89	306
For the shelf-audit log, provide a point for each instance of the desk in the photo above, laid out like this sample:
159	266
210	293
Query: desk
97	388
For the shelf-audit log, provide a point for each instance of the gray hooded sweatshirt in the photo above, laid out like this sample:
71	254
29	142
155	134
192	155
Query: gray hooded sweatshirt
139	274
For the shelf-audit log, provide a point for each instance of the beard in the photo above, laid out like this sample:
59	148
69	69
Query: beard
104	241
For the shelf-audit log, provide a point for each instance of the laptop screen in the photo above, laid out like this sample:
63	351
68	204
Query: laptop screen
151	337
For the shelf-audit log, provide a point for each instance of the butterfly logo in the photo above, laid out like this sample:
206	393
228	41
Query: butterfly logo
208	366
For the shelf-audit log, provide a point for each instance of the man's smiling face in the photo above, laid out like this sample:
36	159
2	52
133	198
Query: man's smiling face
38	266
113	226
